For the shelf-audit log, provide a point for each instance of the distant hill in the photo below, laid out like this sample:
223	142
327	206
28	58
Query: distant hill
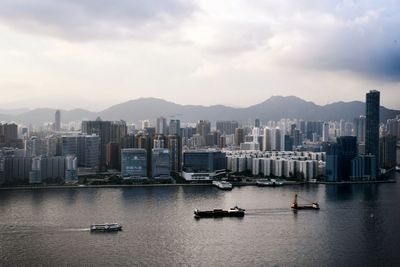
274	108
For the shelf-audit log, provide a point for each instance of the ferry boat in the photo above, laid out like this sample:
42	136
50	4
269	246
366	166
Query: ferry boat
218	213
106	227
296	206
224	185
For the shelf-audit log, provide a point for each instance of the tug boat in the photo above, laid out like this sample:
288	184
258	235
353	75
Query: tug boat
296	206
219	213
106	227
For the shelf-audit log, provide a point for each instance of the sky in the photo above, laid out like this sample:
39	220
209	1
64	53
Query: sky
95	53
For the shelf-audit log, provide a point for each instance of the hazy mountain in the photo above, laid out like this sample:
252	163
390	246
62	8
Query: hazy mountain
274	108
13	111
42	115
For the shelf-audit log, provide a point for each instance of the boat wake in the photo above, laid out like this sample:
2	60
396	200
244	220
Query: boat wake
271	211
76	230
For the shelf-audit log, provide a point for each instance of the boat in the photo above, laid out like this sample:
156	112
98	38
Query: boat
296	206
106	227
219	213
224	185
272	182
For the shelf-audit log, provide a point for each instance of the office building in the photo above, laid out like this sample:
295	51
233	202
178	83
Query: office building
160	163
133	163
338	158
203	165
363	167
387	150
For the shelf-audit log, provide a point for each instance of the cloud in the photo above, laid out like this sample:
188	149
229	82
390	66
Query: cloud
357	36
94	19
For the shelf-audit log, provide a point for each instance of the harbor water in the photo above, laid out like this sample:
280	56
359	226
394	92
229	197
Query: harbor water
357	225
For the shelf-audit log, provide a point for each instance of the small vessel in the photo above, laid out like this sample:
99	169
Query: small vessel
106	227
224	185
218	213
296	206
272	182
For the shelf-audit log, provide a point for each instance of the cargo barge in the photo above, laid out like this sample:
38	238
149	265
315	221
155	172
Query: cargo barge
296	206
219	213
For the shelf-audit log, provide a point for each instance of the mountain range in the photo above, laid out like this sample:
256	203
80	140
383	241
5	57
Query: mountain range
274	108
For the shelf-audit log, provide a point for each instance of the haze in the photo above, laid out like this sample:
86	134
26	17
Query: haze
92	54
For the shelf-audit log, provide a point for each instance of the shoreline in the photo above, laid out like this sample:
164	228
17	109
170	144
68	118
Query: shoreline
358	182
27	187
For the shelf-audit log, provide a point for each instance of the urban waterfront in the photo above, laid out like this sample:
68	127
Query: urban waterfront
356	226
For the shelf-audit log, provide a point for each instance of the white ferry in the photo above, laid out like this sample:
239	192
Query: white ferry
106	227
224	185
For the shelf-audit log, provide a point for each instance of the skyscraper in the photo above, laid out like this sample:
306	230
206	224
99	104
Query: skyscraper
267	139
325	132
161	126
372	124
359	129
175	127
57	121
239	136
175	150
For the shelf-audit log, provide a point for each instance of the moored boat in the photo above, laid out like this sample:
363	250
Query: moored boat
106	227
224	185
218	213
272	182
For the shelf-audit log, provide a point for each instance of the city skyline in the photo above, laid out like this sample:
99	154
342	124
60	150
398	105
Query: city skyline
196	52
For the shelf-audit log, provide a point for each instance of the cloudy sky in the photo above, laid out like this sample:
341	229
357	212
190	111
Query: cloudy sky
95	53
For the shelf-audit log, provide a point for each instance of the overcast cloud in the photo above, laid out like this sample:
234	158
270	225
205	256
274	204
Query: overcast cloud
95	53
